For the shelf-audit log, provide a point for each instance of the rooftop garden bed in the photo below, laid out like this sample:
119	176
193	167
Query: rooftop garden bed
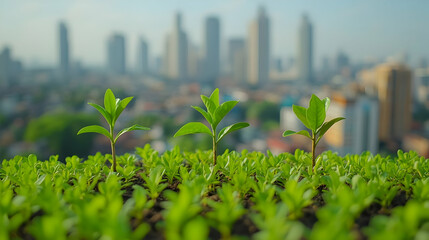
247	195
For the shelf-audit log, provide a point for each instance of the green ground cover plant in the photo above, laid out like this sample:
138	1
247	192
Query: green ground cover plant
313	118
257	196
113	107
214	115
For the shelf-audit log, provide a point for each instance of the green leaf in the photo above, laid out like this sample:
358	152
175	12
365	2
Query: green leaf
316	113
326	126
129	129
215	97
327	102
121	105
222	110
193	127
40	179
103	112
206	115
95	129
231	128
302	132
301	113
110	102
211	107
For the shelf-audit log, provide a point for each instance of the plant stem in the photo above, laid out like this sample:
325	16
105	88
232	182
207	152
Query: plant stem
313	149
112	144
113	157
214	150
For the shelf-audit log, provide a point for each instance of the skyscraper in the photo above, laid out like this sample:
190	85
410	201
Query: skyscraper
64	49
143	57
422	86
305	51
394	94
259	49
358	132
342	61
177	52
237	59
234	45
195	67
10	68
212	50
116	54
5	66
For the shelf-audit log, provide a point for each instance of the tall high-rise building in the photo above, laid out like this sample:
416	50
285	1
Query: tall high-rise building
5	66
305	51
143	57
394	94
212	50
10	68
237	59
158	65
116	54
342	61
195	69
422	86
234	45
259	49
64	63
177	52
359	132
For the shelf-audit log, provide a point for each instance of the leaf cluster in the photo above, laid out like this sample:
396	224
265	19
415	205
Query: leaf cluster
213	114
113	107
313	118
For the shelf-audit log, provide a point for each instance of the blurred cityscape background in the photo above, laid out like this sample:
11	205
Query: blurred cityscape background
369	57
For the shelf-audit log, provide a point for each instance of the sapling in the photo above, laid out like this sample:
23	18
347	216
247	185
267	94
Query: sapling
214	114
113	107
313	118
153	182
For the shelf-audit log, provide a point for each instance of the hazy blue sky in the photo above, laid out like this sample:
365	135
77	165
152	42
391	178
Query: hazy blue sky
362	28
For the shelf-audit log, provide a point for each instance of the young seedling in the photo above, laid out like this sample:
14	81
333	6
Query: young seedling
113	107
214	114
313	118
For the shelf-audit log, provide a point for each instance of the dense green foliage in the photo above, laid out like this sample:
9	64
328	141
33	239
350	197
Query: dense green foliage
58	131
245	195
266	113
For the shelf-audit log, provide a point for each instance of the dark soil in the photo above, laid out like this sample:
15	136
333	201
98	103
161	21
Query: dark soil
309	216
309	213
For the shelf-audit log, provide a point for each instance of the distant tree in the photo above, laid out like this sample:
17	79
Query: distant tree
147	120
421	113
267	113
74	99
2	120
58	130
168	124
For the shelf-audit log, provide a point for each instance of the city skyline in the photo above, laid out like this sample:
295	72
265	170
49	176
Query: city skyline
366	29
